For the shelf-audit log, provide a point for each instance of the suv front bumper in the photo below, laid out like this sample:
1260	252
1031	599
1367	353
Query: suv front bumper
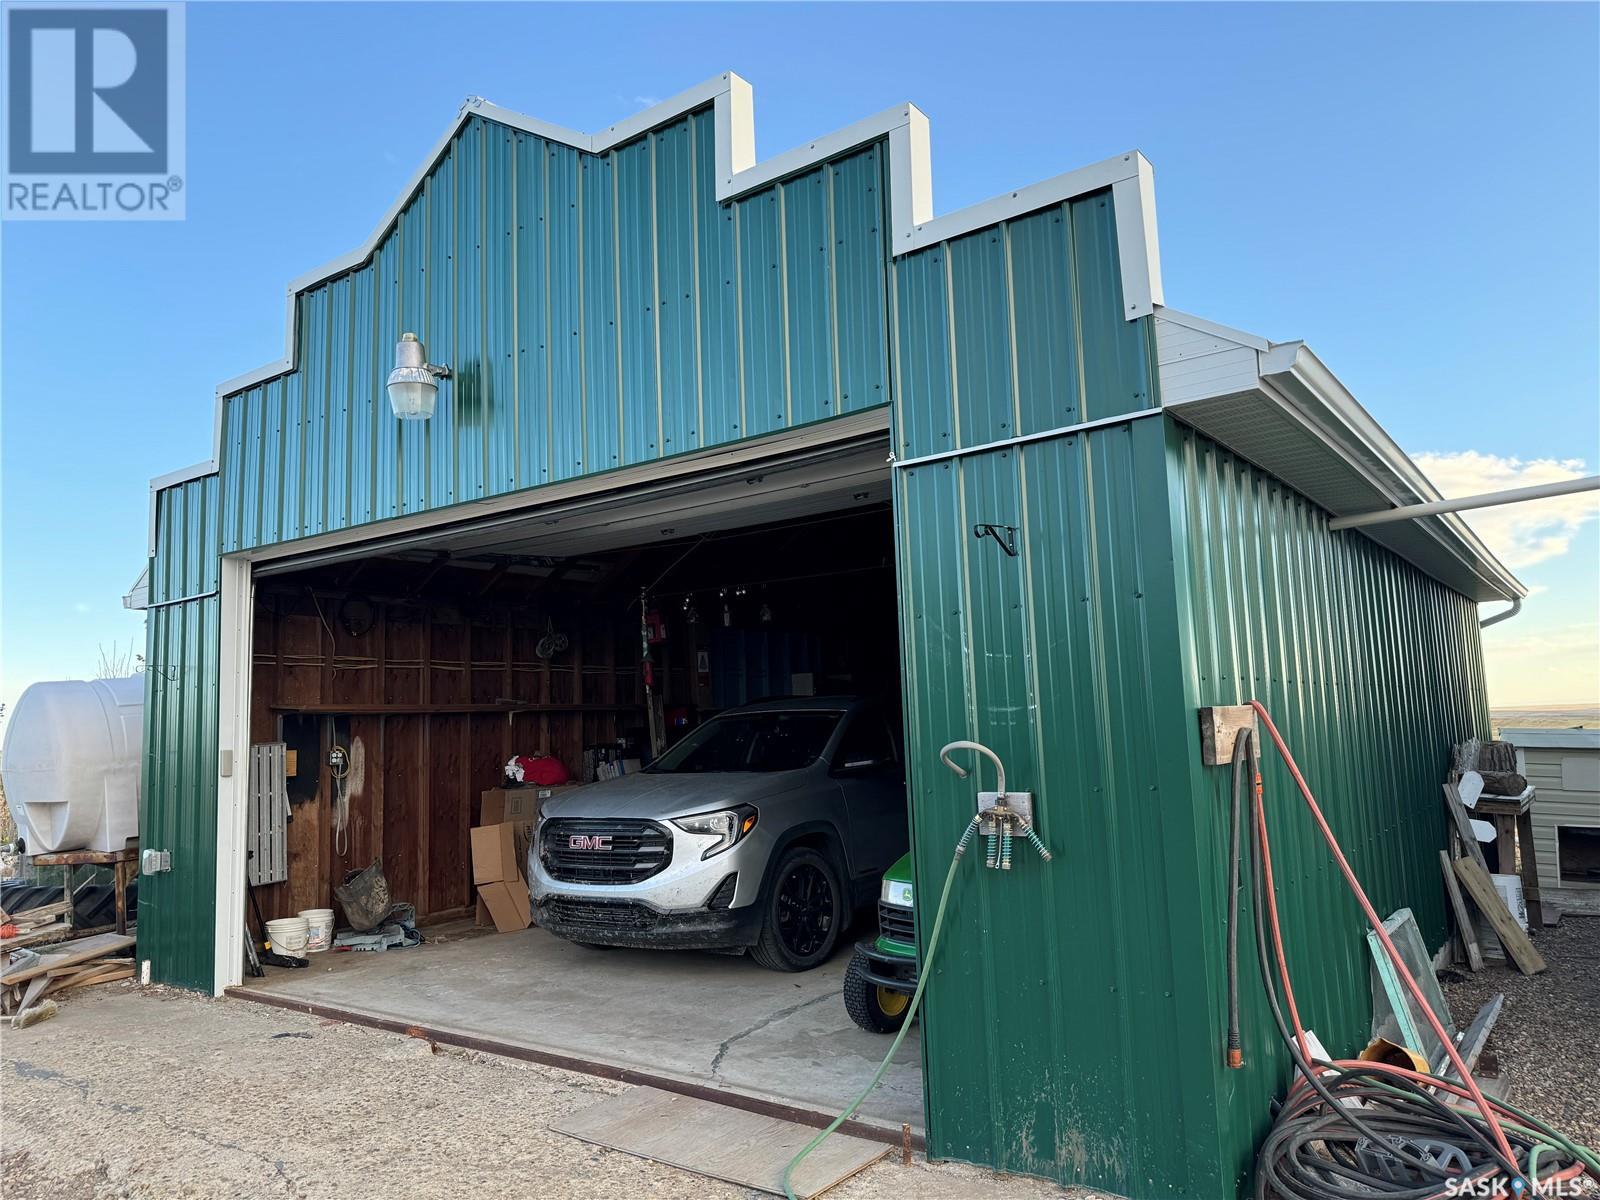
617	922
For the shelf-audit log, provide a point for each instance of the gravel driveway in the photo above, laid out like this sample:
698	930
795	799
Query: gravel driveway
134	1093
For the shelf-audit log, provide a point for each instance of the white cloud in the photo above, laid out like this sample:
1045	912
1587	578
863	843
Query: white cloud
1533	664
1519	534
647	101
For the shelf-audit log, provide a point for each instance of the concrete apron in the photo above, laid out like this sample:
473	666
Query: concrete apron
719	1028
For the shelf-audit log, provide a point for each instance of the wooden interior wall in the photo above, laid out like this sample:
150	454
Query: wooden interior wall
421	700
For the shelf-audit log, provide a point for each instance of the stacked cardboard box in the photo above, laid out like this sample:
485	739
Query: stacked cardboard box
507	818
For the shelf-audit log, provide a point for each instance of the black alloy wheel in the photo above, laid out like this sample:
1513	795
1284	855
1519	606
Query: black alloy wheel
803	913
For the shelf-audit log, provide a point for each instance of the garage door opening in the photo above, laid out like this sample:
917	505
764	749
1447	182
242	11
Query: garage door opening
402	683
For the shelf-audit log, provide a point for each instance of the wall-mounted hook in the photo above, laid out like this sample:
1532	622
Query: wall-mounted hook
1005	536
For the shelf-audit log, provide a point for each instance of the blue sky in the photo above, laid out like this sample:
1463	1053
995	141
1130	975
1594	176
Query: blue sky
1415	190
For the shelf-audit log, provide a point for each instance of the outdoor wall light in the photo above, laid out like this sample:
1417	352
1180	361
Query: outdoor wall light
413	384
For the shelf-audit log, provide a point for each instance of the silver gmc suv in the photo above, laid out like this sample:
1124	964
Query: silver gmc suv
762	830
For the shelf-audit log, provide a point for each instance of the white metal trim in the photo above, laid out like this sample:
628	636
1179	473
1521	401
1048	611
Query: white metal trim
1292	377
913	225
1225	332
233	790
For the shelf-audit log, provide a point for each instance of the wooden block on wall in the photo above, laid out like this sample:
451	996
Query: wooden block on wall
1220	727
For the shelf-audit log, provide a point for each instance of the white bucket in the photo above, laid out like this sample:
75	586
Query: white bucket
287	935
319	929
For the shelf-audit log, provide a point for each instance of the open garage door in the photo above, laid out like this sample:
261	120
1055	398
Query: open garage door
583	639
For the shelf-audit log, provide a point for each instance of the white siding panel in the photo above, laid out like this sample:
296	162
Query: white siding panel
1555	804
1195	364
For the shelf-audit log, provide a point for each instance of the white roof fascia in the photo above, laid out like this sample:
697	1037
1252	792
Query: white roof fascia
1541	738
913	225
1297	374
137	598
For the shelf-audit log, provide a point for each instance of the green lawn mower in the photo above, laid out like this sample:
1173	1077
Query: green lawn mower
883	971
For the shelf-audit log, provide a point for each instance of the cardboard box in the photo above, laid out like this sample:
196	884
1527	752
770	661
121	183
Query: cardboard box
509	804
495	855
517	803
507	904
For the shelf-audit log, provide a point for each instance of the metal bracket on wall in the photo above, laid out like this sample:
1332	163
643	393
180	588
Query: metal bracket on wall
1005	536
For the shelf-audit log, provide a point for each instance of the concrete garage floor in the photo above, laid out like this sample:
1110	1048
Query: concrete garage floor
700	1018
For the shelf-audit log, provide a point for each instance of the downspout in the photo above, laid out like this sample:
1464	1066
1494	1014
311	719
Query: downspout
1516	607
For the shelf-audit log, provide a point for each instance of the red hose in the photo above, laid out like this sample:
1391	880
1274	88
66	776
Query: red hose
1468	1083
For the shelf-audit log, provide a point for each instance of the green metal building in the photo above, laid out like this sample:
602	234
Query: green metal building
648	305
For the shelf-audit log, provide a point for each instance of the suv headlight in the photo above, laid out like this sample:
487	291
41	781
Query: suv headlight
896	891
728	825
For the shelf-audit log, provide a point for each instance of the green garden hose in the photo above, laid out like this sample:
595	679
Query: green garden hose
923	972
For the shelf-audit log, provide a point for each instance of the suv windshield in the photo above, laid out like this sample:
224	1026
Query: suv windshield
757	741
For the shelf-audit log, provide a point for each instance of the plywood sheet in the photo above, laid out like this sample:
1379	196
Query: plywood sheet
738	1147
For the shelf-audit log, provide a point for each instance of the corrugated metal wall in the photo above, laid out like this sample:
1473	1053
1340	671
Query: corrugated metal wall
598	311
1016	329
1066	1026
178	806
1068	1036
1371	670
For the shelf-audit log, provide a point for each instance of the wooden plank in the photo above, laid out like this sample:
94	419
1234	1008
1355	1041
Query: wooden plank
1481	888
1463	825
743	1148
1458	905
1528	867
449	818
69	955
404	794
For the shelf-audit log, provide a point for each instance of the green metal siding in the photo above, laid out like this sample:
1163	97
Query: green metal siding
1371	670
1016	329
1067	1025
1067	1038
179	793
598	311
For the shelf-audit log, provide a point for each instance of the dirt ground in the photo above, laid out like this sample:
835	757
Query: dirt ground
134	1093
130	1093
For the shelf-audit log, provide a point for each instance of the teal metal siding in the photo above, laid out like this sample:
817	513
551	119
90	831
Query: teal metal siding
1372	670
178	801
598	311
1016	329
1067	1025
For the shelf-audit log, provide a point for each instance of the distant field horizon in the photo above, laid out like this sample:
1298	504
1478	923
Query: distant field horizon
1545	716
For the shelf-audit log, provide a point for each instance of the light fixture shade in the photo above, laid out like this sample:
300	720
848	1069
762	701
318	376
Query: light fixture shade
413	386
413	392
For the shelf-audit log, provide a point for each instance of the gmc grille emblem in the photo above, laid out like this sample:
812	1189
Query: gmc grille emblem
589	841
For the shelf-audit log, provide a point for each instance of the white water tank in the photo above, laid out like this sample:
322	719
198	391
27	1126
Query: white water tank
71	763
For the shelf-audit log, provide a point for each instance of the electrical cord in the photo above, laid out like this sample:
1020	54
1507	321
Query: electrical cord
1350	1130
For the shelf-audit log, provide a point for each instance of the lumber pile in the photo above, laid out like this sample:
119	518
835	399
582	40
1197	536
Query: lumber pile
47	923
30	977
1468	886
